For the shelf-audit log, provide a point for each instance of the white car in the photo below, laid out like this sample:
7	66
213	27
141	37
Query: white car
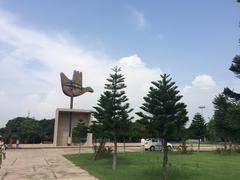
153	144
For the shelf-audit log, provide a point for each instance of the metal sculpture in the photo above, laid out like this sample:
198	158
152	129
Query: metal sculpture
73	88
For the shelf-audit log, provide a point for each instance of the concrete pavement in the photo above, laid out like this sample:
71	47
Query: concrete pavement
41	164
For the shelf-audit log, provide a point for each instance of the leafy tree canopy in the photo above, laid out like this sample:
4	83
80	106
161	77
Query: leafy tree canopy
28	129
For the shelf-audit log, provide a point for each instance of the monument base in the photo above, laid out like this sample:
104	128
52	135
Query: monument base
61	126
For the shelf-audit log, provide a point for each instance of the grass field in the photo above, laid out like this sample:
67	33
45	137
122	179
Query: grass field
147	165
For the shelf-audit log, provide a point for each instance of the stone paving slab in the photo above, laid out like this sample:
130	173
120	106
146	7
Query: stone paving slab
41	164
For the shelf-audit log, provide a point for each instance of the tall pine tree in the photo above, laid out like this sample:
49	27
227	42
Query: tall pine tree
235	68
222	124
226	119
163	114
112	112
198	128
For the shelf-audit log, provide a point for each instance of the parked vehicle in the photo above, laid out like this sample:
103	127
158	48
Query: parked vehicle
154	144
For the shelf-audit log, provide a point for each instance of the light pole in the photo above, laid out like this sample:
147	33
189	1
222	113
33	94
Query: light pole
201	107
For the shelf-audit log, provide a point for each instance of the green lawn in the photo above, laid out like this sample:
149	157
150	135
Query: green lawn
147	165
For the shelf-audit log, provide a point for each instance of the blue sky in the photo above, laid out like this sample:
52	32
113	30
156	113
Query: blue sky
171	34
194	41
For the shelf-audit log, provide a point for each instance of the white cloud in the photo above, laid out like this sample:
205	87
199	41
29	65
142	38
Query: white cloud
138	18
186	89
204	82
31	61
131	61
201	93
197	97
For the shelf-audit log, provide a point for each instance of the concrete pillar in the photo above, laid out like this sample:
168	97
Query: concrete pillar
61	126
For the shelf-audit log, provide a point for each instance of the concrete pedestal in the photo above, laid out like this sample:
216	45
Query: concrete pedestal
61	126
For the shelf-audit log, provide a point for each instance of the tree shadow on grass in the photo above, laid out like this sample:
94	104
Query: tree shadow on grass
174	172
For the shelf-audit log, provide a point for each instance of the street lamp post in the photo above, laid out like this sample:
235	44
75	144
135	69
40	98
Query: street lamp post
201	107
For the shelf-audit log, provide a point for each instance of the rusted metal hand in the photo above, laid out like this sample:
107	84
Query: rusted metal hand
73	87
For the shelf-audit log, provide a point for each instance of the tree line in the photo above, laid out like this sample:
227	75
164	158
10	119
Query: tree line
28	130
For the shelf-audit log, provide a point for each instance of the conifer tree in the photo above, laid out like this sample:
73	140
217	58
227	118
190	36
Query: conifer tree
198	128
163	114
112	110
226	119
79	133
235	68
222	124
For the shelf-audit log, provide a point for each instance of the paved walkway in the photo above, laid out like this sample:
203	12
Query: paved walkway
41	164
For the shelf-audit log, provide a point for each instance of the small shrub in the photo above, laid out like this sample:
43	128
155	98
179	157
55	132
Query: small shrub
185	149
236	148
106	152
220	150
